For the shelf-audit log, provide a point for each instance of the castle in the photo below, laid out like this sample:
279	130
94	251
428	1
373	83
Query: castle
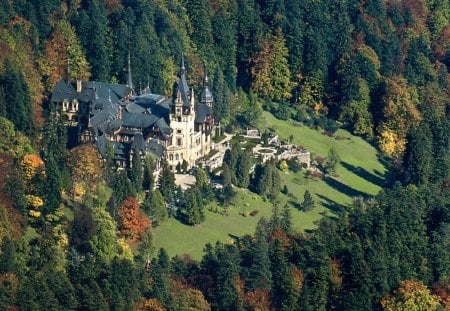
177	129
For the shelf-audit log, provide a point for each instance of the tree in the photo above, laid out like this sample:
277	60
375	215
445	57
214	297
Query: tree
148	179
63	49
285	291
94	33
122	187
400	114
308	202
251	110
155	207
286	219
226	291
332	161
167	182
160	276
193	208
136	171
242	169
227	190
85	166
17	95
270	70
411	296
132	223
418	155
102	243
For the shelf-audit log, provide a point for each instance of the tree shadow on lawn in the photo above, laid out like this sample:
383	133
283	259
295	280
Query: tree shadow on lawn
295	205
332	205
376	179
339	186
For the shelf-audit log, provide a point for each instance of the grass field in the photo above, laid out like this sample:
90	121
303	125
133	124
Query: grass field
360	173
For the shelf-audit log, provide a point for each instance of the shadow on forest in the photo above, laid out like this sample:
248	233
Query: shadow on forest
332	205
376	179
339	186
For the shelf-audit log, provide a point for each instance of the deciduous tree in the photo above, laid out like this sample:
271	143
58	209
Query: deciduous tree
132	223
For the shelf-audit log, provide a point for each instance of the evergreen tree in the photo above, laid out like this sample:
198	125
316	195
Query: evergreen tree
308	202
284	293
286	219
136	171
226	292
160	276
227	191
221	93
148	180
333	160
122	187
167	182
94	33
258	275
418	155
52	189
17	96
155	206
193	208
225	38
242	169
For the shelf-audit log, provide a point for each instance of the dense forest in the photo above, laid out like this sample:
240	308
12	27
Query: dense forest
73	235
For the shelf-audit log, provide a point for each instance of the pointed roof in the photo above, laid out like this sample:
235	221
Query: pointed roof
129	77
206	96
183	87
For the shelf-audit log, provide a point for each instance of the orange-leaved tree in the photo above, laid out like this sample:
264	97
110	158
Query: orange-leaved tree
132	222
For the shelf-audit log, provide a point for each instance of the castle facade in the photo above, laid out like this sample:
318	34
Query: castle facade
177	129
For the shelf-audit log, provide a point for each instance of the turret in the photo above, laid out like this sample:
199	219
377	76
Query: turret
129	77
206	96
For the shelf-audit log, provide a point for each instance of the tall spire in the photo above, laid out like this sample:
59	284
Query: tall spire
183	68
68	70
129	78
205	80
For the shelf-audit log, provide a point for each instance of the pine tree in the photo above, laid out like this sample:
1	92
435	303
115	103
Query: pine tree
136	171
17	95
167	182
94	33
193	208
418	155
155	206
286	219
242	169
333	160
227	191
308	202
148	180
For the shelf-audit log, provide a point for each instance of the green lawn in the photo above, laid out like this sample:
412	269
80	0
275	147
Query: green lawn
360	168
360	173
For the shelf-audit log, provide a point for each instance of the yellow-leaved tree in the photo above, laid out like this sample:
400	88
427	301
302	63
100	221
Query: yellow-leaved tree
85	168
63	49
410	296
270	69
400	114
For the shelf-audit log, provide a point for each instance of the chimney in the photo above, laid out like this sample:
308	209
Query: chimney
78	86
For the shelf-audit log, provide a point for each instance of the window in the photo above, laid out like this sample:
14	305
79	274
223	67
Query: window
176	157
178	131
179	142
171	157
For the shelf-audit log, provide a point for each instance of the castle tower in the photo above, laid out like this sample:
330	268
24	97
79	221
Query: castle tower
206	96
182	122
